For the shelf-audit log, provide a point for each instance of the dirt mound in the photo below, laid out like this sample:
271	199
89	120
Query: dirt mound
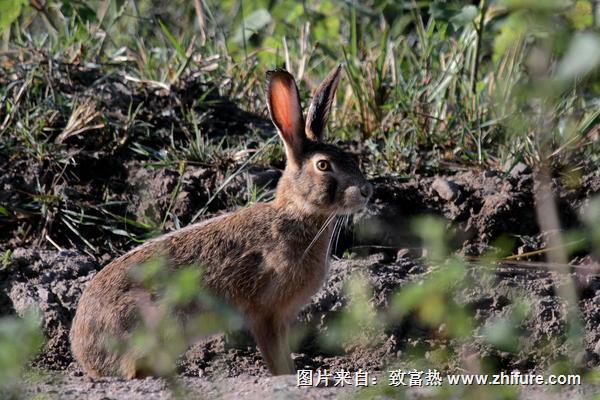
51	282
111	98
480	207
152	193
107	125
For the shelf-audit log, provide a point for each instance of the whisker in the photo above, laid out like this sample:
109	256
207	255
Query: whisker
344	223
356	229
314	240
337	223
337	233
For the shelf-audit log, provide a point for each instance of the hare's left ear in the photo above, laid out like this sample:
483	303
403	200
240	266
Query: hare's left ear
318	113
284	106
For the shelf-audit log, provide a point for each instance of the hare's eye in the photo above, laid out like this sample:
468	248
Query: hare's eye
323	165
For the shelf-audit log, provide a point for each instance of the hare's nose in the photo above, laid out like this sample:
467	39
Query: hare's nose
366	189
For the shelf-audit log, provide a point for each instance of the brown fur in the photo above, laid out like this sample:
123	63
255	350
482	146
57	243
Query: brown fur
261	259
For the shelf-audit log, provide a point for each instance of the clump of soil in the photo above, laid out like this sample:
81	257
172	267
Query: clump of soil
479	207
52	282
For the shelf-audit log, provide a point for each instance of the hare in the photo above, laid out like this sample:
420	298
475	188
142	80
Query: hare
266	260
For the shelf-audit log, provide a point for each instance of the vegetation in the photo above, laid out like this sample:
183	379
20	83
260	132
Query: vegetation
471	81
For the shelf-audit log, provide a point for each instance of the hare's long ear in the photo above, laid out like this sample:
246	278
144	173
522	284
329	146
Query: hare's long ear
318	113
286	113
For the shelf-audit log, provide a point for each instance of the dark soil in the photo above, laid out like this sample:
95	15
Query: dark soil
480	207
218	362
97	173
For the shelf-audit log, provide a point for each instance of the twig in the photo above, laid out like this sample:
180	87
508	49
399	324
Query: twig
48	238
545	265
542	250
148	82
201	20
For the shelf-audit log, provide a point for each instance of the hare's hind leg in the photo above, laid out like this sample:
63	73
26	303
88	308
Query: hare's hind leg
101	332
271	335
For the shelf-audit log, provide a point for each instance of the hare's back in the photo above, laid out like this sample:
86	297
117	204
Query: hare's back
219	240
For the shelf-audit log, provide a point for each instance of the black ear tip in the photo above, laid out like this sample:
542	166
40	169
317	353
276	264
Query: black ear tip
336	72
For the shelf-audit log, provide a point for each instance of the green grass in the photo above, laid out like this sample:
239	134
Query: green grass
473	81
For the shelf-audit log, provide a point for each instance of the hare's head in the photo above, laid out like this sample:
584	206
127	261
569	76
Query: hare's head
319	178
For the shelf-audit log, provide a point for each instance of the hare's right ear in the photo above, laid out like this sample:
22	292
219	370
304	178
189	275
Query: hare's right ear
286	113
318	112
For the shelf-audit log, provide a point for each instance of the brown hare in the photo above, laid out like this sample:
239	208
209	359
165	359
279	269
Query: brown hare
266	260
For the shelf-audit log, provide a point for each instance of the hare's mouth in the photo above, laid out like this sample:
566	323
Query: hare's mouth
354	200
354	206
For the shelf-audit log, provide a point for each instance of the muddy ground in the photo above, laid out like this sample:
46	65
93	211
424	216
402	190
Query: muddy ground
479	206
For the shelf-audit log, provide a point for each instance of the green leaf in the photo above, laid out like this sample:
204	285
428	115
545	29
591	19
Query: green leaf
20	340
537	5
502	334
173	40
466	15
4	211
511	33
120	232
252	24
10	10
582	58
581	14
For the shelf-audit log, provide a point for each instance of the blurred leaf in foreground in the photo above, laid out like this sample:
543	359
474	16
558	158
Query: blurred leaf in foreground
582	57
9	12
359	325
20	340
183	312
